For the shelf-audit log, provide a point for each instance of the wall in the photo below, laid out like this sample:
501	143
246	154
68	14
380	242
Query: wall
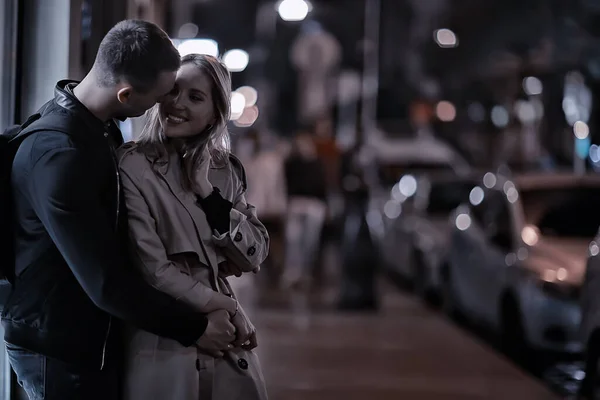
46	38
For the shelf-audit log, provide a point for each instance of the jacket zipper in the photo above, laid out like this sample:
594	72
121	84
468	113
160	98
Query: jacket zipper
105	342
118	176
118	192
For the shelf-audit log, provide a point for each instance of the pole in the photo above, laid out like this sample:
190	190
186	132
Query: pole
265	28
370	78
360	258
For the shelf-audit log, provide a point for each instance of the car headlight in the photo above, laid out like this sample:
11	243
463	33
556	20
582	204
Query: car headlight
561	290
553	282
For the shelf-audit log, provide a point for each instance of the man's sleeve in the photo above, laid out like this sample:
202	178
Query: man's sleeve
66	198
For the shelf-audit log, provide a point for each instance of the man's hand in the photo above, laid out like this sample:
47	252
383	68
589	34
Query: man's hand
219	334
245	331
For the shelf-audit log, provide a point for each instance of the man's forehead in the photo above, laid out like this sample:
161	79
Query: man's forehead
166	81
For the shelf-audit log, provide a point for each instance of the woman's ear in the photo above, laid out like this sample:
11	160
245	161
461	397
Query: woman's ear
211	124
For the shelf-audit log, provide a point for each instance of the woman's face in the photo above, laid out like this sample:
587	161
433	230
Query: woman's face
188	109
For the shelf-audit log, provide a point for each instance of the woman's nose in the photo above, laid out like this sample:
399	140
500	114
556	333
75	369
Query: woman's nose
174	101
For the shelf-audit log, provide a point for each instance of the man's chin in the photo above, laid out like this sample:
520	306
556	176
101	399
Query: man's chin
124	116
138	114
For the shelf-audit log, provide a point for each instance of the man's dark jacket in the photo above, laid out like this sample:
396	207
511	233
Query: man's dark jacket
74	278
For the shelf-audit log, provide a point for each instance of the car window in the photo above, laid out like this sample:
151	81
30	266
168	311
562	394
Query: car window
563	212
390	174
446	196
494	217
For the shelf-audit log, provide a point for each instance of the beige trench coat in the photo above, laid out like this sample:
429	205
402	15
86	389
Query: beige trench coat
168	229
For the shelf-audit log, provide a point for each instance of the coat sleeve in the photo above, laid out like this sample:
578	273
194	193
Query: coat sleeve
149	251
246	244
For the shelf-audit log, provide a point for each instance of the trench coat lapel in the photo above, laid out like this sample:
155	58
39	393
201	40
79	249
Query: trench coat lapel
169	173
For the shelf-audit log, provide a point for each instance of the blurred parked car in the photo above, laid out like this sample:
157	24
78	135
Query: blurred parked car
590	319
394	167
517	257
418	240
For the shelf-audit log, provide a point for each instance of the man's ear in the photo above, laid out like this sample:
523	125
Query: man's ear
124	94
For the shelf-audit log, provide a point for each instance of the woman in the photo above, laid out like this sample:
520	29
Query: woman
191	228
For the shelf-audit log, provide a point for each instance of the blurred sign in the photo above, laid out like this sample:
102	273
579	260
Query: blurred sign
577	101
421	113
316	51
349	86
315	54
582	147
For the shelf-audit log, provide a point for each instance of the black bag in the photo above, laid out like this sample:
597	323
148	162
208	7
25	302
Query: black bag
10	140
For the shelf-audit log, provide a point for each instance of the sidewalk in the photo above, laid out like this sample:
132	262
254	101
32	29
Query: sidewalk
403	352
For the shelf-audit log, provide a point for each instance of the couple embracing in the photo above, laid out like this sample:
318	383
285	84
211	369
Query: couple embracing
123	251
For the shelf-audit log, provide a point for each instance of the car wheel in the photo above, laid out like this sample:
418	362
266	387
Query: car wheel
448	296
512	338
419	277
595	380
590	385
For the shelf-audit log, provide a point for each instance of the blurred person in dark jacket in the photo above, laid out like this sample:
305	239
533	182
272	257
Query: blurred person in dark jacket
307	209
359	255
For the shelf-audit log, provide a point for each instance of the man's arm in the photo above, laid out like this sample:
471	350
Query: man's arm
66	199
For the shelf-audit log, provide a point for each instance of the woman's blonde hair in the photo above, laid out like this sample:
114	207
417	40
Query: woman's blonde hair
215	136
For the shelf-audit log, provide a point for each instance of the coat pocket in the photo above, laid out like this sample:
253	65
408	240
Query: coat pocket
238	376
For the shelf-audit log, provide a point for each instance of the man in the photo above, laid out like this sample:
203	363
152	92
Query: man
73	282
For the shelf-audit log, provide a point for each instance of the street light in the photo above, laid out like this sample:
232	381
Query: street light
236	60
198	46
250	94
445	38
238	103
293	10
581	130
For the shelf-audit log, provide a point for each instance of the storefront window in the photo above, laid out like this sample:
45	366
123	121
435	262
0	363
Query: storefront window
8	60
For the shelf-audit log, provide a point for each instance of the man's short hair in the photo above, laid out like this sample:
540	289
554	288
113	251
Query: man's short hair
136	52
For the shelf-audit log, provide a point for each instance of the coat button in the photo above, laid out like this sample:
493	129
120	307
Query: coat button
251	251
243	364
238	237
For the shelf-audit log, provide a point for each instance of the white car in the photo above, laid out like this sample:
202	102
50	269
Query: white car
390	162
422	233
517	257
